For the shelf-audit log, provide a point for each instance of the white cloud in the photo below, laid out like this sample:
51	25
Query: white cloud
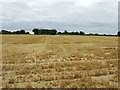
57	0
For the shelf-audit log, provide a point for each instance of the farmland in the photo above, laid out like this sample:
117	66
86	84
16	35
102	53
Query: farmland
58	61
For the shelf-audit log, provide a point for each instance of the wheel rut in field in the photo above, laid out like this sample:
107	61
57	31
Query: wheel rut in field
60	45
40	50
64	41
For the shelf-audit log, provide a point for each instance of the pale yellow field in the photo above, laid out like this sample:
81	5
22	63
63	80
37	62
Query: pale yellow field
44	61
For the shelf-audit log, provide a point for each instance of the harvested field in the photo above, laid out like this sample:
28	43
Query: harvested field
54	61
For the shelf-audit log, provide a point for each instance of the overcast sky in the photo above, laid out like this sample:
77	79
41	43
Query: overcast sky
88	16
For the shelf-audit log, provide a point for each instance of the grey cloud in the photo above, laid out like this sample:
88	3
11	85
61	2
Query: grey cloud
99	17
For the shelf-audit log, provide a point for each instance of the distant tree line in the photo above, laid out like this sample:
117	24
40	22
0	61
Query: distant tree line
71	33
14	32
54	32
83	33
44	31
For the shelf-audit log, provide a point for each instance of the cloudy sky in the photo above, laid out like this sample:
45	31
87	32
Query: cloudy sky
88	16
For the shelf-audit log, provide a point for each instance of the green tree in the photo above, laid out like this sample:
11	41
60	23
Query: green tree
65	32
82	33
59	33
118	33
22	31
53	32
76	33
96	34
36	31
90	34
27	33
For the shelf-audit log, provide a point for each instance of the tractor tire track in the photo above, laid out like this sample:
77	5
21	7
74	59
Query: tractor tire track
33	55
64	50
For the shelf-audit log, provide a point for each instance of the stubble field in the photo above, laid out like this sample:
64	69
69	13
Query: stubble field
46	61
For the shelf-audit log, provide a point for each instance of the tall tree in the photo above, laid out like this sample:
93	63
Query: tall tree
36	31
22	31
65	32
82	33
118	33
